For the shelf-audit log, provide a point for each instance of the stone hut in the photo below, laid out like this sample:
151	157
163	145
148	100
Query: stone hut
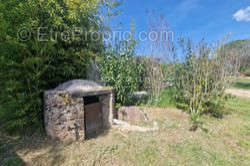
78	110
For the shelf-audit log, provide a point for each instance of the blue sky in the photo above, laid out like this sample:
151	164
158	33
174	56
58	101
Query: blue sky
211	19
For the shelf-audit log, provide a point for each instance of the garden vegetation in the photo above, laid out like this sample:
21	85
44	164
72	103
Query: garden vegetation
35	56
30	65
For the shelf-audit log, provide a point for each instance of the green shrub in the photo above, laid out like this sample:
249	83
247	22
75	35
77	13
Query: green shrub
247	71
120	70
202	79
243	83
167	98
30	67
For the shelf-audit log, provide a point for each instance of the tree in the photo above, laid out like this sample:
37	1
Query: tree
241	49
32	62
202	78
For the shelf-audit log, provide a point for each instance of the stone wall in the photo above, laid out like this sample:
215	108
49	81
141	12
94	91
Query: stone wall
64	114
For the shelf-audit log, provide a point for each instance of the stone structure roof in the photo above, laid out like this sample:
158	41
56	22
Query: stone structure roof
81	88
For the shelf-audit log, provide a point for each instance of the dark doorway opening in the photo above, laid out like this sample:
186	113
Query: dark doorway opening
93	117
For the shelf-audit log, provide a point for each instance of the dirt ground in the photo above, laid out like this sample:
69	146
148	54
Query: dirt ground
238	92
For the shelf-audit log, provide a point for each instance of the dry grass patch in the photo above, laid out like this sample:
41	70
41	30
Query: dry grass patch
226	142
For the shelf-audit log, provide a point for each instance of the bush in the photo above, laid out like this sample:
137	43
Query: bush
166	98
154	78
247	71
241	49
119	69
202	79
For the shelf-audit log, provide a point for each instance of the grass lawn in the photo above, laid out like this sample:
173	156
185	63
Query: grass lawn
227	142
242	83
166	99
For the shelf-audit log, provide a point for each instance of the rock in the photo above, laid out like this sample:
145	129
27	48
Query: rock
132	114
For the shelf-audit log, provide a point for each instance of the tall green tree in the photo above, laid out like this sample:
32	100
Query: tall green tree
40	47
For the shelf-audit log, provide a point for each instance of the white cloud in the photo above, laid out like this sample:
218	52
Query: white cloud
242	15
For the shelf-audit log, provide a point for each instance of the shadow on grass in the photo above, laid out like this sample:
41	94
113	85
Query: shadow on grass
8	155
10	145
242	85
35	149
